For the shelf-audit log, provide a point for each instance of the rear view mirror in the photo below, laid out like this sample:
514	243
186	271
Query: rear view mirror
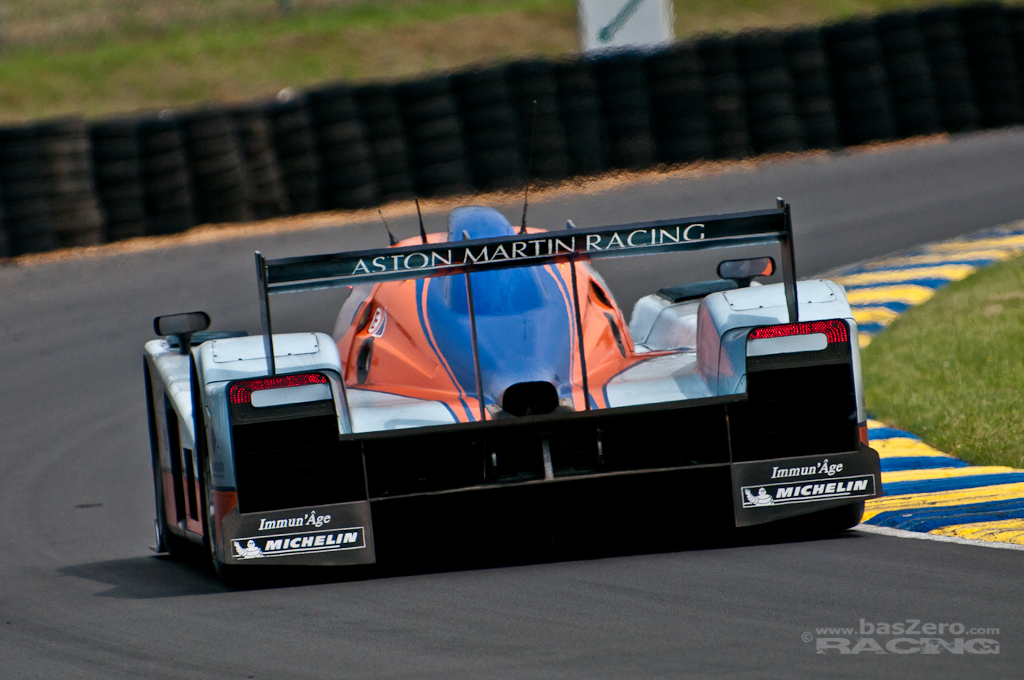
182	325
743	271
176	324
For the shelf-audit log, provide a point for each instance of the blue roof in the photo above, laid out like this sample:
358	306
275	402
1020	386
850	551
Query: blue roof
479	222
525	329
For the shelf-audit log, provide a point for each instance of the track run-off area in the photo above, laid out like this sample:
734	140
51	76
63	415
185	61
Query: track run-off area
82	596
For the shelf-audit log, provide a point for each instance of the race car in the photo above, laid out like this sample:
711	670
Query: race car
483	385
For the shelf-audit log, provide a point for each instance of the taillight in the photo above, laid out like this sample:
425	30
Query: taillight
834	330
241	391
862	430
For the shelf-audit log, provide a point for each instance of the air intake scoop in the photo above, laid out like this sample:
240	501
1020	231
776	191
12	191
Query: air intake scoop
530	399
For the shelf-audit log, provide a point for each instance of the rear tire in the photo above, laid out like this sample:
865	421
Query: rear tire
229	574
177	547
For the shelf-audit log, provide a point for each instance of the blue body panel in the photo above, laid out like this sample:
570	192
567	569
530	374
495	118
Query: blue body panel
510	306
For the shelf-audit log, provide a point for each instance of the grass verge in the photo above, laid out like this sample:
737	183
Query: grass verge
239	57
952	369
99	57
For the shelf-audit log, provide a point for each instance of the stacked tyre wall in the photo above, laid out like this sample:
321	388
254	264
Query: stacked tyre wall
65	182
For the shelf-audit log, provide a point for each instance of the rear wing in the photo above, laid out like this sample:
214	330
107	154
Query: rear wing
317	272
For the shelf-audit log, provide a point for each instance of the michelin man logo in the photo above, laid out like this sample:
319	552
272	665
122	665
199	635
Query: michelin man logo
250	550
762	497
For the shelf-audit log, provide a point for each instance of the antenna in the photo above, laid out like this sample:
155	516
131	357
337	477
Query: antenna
529	166
391	237
423	232
473	340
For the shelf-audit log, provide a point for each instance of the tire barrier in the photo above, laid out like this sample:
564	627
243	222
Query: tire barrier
338	146
542	137
166	181
380	113
579	111
26	210
295	148
911	89
68	174
626	107
267	196
347	174
434	133
679	105
812	88
220	184
117	168
726	105
947	59
770	93
5	251
992	64
1015	25
491	128
859	82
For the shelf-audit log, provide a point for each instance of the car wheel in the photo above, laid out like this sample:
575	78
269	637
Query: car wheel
229	574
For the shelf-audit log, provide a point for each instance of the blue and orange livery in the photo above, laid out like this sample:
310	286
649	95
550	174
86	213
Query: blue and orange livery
483	383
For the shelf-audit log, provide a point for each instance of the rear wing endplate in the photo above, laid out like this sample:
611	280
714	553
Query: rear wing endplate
318	272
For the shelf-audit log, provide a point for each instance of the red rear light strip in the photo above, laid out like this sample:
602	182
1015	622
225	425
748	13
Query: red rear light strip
241	392
834	329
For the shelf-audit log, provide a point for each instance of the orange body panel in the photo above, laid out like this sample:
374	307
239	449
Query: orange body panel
404	362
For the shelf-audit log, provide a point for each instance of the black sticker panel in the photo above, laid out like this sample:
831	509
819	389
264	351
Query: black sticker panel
764	491
328	534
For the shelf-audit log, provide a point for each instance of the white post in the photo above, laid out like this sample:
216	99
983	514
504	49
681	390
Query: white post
605	24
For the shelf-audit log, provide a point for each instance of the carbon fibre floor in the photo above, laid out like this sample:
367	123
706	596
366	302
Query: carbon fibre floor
927	490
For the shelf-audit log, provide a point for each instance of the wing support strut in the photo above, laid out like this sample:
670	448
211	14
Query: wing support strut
579	335
264	295
476	350
788	265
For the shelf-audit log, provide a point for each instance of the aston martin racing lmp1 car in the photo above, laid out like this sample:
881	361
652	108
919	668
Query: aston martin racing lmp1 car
483	383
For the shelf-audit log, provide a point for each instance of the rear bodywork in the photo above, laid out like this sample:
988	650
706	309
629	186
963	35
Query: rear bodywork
484	383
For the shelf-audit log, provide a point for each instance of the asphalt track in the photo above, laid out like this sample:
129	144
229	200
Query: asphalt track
81	596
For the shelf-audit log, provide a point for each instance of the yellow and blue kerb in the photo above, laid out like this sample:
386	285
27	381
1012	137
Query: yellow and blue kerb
880	290
926	490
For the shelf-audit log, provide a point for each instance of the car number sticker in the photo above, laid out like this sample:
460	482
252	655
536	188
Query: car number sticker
380	320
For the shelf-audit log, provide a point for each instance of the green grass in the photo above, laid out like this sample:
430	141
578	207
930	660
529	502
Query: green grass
99	57
140	65
952	370
698	16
